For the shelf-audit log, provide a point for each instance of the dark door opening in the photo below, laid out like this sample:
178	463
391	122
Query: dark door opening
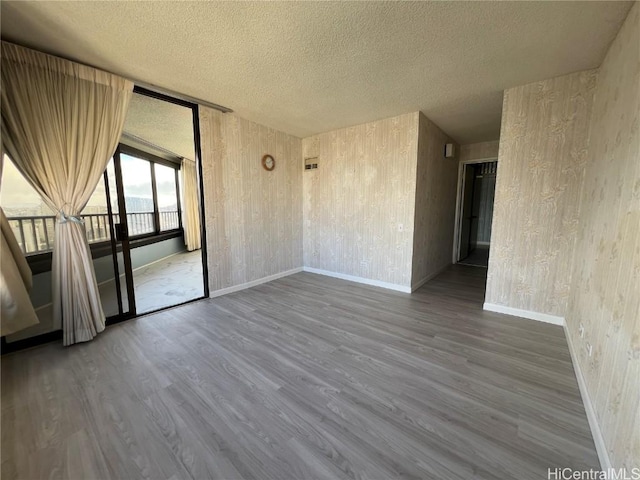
478	190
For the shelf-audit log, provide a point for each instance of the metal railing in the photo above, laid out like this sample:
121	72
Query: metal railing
169	220
35	234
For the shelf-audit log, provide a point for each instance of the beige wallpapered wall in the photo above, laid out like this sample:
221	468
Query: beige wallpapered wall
253	217
359	203
479	151
605	292
543	150
435	204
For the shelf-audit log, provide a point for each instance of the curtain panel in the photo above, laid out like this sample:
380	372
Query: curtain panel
61	122
190	205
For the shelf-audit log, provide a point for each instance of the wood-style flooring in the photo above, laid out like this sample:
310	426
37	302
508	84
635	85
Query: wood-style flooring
306	377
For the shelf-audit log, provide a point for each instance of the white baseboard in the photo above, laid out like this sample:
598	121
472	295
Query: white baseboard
516	312
598	439
367	281
253	283
419	283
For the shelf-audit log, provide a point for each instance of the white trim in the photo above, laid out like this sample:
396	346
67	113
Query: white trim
419	283
253	283
367	281
457	228
516	312
598	439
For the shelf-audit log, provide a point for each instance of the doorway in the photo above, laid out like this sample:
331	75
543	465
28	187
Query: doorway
153	211
157	262
474	215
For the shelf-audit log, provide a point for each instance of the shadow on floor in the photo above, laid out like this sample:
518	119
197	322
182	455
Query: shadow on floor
479	257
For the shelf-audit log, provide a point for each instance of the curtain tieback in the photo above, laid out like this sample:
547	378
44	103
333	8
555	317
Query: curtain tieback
64	218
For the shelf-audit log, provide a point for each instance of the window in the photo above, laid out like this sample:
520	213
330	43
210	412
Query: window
33	222
96	215
151	192
151	197
138	195
30	217
167	197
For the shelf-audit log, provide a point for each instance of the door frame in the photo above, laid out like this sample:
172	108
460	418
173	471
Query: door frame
200	182
457	230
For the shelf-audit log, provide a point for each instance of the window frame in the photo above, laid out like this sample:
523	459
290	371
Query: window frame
41	262
154	159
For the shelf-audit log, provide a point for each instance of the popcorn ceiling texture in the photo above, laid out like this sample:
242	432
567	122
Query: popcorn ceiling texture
311	67
307	68
164	124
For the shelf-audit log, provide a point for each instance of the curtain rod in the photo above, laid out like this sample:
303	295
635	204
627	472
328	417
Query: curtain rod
181	96
146	86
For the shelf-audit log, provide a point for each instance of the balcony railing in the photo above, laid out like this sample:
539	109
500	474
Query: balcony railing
35	234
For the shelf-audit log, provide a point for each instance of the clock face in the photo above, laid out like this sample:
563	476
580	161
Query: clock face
268	162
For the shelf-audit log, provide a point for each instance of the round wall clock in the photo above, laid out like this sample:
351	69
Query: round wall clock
268	162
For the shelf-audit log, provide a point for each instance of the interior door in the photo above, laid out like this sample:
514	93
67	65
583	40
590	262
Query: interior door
467	212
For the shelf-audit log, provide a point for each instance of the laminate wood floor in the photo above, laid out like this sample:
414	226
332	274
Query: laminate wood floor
306	377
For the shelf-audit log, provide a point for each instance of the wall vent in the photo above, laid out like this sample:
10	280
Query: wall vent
310	163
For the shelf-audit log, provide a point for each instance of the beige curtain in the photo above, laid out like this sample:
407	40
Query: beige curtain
16	309
190	208
61	122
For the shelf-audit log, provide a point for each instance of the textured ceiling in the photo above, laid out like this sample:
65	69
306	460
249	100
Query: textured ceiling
162	123
310	67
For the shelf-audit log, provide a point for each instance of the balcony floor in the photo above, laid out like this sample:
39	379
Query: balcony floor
166	282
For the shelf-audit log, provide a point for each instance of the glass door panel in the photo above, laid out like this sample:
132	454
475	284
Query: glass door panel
147	216
116	246
162	272
99	217
138	195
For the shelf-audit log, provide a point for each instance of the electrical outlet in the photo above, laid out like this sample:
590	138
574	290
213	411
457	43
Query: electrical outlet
581	331
589	349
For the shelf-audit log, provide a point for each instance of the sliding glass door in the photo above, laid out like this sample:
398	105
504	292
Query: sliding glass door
133	220
155	268
159	272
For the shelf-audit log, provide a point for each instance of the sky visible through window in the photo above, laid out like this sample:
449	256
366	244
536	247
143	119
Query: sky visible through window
19	198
